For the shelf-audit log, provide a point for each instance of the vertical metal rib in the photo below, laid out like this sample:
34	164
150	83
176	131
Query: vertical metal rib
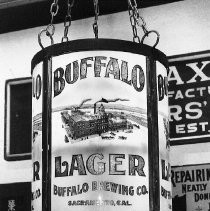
46	137
153	135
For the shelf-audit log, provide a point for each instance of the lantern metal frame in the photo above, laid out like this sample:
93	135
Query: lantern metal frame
152	55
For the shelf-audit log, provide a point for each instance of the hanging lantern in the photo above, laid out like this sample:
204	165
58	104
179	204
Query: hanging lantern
100	123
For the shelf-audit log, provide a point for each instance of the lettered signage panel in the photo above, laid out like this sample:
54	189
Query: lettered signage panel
99	132
36	195
164	145
191	188
189	88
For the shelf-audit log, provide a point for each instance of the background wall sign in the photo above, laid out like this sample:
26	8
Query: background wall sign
189	89
191	188
15	196
96	128
17	144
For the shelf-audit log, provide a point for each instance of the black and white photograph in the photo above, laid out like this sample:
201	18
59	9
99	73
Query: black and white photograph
105	105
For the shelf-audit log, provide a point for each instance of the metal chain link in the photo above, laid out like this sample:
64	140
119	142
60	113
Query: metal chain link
67	21
136	19
50	29
95	24
53	11
133	25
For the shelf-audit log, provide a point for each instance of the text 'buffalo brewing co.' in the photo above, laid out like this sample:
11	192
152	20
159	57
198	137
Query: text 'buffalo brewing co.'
98	186
113	68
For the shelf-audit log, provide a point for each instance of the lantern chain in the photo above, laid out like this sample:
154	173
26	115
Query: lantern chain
95	24
67	20
135	20
53	11
50	29
133	25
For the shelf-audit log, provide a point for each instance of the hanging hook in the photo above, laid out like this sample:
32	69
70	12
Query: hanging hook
48	34
147	34
50	29
135	20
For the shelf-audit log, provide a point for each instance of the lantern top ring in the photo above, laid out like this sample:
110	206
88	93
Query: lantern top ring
101	45
48	34
147	34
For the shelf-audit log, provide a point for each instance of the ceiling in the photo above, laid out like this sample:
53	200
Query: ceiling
22	14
